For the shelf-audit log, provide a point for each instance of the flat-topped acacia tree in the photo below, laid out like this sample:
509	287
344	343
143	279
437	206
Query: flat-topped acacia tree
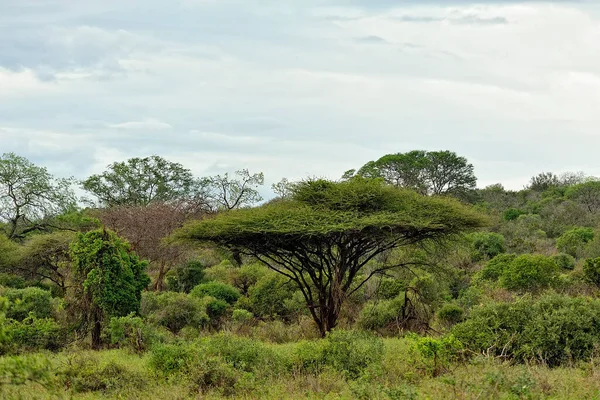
325	233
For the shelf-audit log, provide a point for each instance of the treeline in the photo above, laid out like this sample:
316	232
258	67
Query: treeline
157	261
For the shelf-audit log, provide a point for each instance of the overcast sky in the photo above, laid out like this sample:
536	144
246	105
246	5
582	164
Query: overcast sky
301	87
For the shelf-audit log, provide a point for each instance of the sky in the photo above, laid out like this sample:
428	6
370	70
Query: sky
298	88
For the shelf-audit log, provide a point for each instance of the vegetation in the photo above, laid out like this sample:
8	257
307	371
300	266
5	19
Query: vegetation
402	280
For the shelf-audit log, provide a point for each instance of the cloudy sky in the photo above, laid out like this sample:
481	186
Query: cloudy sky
301	87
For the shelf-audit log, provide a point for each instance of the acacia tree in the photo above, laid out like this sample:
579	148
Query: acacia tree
324	236
140	181
30	196
108	280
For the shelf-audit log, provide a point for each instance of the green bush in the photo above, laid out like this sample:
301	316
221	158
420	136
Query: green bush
215	308
268	297
529	272
169	359
512	214
213	373
591	270
451	314
12	281
390	288
174	310
496	266
34	334
133	333
88	374
564	261
185	277
218	290
380	314
486	245
352	352
553	329
239	315
574	240
246	276
28	300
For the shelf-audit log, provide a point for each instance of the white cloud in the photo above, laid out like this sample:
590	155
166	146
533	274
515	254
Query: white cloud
149	124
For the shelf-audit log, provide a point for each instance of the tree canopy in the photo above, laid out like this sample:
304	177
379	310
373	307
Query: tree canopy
140	181
427	172
323	236
30	195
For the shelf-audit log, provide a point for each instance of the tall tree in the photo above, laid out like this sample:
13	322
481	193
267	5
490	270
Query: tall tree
30	196
326	234
427	172
227	193
140	181
108	280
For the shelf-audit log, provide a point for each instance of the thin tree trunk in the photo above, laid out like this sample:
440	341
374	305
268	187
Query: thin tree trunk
96	331
158	285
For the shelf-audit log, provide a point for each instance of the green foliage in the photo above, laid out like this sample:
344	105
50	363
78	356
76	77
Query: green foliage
215	308
564	261
218	290
185	277
33	334
529	272
168	359
380	314
140	181
349	352
512	214
131	332
439	352
88	374
239	315
268	297
12	281
573	240
9	253
587	194
109	280
553	329
21	370
174	310
451	314
30	195
389	288
246	276
486	245
591	270
30	300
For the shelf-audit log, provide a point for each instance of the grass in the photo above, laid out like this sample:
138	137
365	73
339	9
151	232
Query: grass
402	374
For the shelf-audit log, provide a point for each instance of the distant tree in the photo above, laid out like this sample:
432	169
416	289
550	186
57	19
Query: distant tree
141	181
47	257
108	281
587	194
30	196
324	236
433	172
283	188
543	181
226	193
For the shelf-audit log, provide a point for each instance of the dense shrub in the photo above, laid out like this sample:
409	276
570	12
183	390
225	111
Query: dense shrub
512	213
486	245
591	270
215	308
268	297
553	329
380	314
496	266
389	288
134	333
529	272
564	261
88	374
34	334
218	290
451	314
174	310
349	352
169	359
574	240
246	276
12	281
28	300
185	277
241	315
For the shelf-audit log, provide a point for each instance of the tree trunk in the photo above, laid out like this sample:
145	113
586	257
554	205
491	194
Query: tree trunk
158	285
96	330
